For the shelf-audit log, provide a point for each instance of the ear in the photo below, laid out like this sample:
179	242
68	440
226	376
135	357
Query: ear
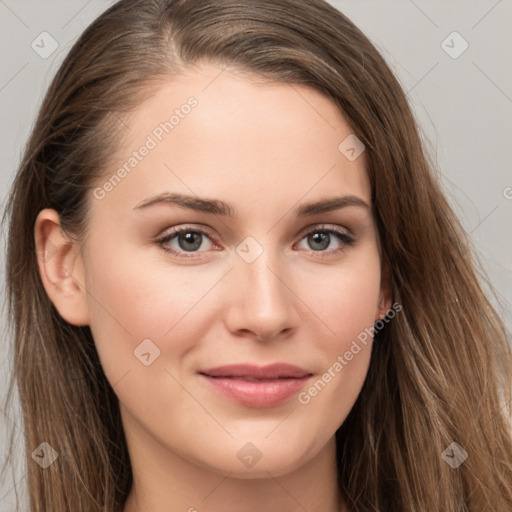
61	268
384	304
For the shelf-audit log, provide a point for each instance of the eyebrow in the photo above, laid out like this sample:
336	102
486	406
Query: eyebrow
218	207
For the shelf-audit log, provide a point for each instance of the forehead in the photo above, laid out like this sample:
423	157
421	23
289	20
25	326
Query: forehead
219	133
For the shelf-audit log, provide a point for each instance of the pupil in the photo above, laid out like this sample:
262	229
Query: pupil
188	238
320	238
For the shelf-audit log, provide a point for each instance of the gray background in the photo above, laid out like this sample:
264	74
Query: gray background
463	104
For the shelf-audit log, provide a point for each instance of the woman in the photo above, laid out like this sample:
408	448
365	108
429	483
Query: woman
323	344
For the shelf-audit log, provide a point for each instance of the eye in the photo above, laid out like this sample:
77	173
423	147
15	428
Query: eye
320	237
190	239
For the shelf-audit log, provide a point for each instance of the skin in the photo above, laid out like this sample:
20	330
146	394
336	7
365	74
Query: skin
265	149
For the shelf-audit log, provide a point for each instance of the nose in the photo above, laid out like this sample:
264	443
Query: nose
262	303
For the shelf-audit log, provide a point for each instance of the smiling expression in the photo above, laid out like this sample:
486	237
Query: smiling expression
243	235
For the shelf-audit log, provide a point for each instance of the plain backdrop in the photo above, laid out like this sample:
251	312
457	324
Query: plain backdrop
459	85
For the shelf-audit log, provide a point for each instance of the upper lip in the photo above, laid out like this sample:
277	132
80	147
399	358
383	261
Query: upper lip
271	371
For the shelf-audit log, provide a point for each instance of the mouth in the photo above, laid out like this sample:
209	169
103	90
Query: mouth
254	386
250	379
249	371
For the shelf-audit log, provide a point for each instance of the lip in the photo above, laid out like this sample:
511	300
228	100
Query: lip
270	371
256	386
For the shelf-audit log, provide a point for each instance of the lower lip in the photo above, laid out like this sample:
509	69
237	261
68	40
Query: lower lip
257	393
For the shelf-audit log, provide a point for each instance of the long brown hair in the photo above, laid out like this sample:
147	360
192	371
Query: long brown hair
440	371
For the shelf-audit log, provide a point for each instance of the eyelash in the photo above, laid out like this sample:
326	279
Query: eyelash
342	236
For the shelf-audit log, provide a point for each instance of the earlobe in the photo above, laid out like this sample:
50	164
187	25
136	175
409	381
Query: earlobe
61	268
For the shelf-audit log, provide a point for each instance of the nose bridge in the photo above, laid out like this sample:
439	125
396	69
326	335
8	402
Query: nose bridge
262	276
262	302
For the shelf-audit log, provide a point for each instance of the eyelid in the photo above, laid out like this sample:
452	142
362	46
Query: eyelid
208	231
322	225
199	228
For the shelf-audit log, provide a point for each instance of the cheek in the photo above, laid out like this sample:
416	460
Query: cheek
347	305
138	288
129	302
344	298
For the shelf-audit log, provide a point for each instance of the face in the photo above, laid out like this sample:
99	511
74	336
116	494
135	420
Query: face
256	277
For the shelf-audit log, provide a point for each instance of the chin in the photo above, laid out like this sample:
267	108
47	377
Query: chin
275	463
